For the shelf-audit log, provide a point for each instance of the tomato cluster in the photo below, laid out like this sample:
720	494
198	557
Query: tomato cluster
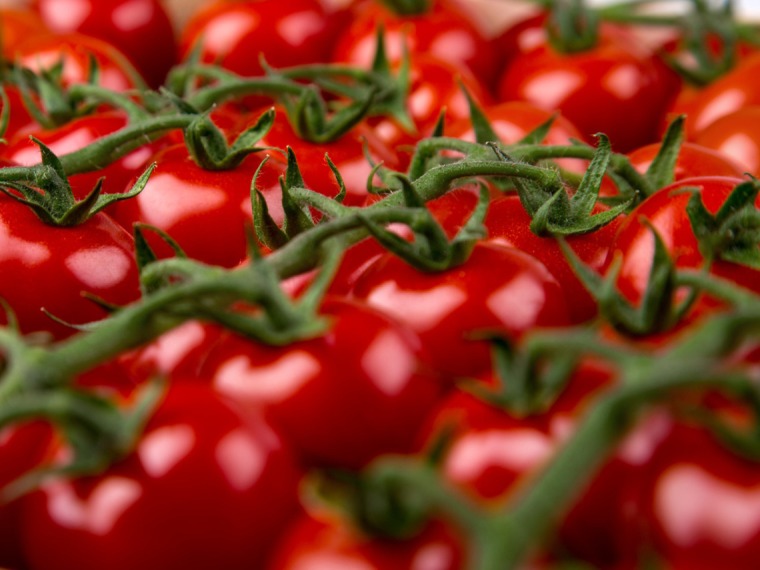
311	286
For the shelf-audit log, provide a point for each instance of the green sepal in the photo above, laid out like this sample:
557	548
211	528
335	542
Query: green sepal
484	132
341	195
733	232
661	171
392	99
145	256
5	114
208	146
408	7
178	103
267	230
539	134
297	217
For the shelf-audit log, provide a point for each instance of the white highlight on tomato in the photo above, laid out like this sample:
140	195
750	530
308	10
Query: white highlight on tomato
518	301
390	375
100	267
241	459
424	310
161	450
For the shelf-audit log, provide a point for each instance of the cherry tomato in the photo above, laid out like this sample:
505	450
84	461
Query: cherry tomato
140	29
322	540
665	210
701	504
16	26
735	136
181	197
629	94
364	362
75	50
447	31
499	290
46	267
200	490
235	34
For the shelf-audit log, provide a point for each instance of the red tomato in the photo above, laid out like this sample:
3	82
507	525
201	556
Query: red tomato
731	92
75	136
44	52
48	267
365	363
701	505
234	34
181	197
447	31
200	490
629	92
735	136
140	29
693	160
665	210
323	540
20	120
498	290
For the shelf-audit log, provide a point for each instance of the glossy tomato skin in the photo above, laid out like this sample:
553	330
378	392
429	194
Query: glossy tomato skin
498	290
665	210
75	50
140	29
701	503
47	267
447	31
204	488
182	197
630	96
234	34
364	362
735	135
16	25
76	135
694	159
321	540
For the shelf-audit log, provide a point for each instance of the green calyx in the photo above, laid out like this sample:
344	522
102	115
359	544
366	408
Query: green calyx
571	26
49	193
408	7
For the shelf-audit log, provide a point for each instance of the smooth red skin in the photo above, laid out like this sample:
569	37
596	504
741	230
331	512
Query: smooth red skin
629	93
23	447
694	159
204	488
736	89
140	29
76	135
447	31
234	34
701	502
508	223
347	153
205	212
19	121
666	212
435	85
43	52
736	135
47	267
322	540
365	363
498	290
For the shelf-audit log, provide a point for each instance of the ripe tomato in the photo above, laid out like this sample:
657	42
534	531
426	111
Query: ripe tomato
446	31
735	135
16	26
234	34
49	267
322	540
364	362
701	503
182	197
200	490
499	290
75	50
76	135
665	210
629	92
140	29
694	159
